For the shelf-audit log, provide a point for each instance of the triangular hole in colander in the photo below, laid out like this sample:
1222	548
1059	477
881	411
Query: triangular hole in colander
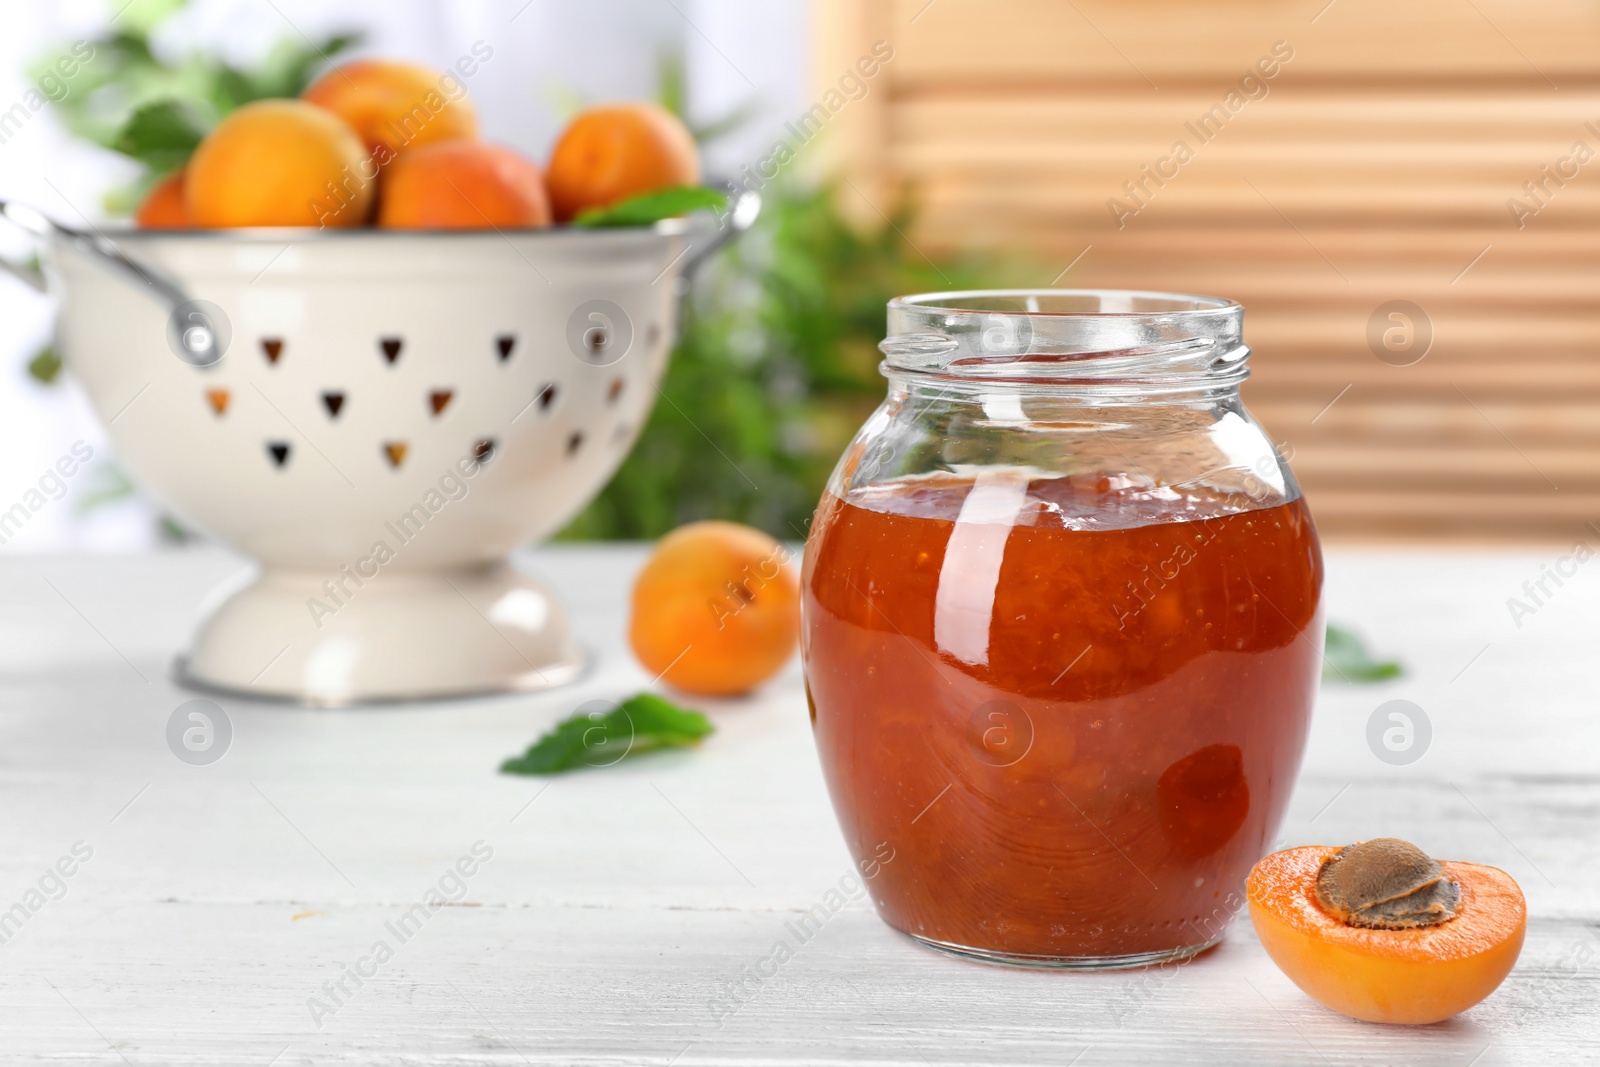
391	349
279	451
334	402
505	343
483	450
273	347
219	400
439	399
395	451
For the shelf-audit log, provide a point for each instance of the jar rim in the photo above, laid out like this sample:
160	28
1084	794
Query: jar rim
994	301
1101	339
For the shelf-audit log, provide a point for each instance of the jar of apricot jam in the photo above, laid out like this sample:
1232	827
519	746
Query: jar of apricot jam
1062	627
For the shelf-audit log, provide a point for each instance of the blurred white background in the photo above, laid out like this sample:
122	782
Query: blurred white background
550	56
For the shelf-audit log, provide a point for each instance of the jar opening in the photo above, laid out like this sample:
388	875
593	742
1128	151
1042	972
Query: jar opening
1104	337
1090	302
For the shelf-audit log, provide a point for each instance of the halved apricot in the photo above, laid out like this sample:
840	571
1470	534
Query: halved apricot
1425	944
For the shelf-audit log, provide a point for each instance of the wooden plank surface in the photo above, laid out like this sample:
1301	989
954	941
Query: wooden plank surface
1380	162
1167	40
620	905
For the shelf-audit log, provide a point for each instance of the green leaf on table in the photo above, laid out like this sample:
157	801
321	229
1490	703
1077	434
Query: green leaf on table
1345	660
650	208
600	738
45	367
162	134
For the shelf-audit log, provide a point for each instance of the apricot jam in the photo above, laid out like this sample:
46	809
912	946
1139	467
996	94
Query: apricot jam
1074	721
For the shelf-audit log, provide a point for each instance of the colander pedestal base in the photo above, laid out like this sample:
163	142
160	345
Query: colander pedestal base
401	635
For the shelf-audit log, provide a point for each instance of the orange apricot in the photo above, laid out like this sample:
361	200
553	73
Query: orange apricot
608	154
462	185
395	106
163	206
1387	938
279	163
716	610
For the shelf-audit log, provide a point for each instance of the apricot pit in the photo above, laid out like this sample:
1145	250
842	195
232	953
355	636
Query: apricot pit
1386	884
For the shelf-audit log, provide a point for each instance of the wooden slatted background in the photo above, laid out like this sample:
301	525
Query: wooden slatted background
1377	167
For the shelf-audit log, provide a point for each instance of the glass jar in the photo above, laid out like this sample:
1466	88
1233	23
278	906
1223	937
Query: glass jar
1062	627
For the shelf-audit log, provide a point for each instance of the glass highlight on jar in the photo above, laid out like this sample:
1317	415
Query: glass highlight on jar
1062	627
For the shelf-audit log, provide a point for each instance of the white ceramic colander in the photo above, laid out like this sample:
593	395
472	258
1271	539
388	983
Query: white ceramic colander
390	414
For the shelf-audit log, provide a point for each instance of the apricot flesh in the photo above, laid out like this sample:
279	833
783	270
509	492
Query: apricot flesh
1411	975
716	610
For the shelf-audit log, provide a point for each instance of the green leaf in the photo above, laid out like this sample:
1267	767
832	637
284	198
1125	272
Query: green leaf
777	364
672	82
649	208
599	739
1347	661
173	532
287	69
45	367
161	134
728	122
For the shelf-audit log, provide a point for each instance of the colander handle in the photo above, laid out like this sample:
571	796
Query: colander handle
744	205
101	247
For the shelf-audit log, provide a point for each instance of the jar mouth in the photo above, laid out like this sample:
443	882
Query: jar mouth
1056	303
1121	339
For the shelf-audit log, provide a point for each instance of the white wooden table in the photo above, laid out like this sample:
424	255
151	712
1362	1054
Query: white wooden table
619	906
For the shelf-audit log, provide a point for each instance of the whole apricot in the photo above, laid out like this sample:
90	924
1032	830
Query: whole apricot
608	154
462	185
279	163
163	206
716	610
395	106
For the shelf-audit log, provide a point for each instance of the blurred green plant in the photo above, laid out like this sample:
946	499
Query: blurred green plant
776	367
154	108
776	363
45	366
